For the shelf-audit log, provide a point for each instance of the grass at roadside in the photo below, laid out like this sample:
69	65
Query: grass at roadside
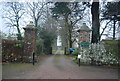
62	51
53	51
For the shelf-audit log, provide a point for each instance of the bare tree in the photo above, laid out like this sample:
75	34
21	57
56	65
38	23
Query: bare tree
111	12
105	27
36	10
46	25
13	14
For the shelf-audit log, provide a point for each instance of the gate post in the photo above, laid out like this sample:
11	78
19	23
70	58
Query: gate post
29	42
33	58
65	51
50	50
84	37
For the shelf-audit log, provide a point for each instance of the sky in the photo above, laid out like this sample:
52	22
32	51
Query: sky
3	26
1	21
26	19
6	30
57	0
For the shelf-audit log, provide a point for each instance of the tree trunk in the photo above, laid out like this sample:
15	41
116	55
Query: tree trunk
36	22
114	29
104	29
67	31
19	37
95	22
70	37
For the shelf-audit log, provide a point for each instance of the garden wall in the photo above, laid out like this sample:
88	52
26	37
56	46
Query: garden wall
12	50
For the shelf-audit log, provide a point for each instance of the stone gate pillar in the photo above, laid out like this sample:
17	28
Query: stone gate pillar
84	37
29	41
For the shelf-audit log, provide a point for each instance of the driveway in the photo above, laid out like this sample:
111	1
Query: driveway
59	66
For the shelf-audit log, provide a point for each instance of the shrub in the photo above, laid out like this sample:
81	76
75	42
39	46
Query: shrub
75	52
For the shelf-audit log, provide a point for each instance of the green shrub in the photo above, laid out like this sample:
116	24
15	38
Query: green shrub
75	52
19	45
67	52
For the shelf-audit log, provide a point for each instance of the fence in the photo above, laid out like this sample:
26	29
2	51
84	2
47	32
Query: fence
101	54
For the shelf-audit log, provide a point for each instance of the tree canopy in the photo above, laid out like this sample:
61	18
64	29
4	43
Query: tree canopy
110	10
70	13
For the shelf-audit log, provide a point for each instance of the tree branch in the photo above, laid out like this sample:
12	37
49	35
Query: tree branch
104	28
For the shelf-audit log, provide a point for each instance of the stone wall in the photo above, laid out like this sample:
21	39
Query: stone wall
19	50
12	50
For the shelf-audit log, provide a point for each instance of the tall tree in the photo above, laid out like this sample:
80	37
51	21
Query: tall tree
95	22
111	12
71	13
13	13
46	25
48	33
36	11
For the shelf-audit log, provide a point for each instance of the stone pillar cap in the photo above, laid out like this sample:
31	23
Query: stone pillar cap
84	27
30	25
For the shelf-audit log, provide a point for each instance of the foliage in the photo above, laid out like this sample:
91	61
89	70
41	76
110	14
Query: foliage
112	46
72	9
111	41
12	50
2	35
111	12
70	13
67	52
45	40
75	52
39	46
48	38
100	54
60	8
19	45
111	9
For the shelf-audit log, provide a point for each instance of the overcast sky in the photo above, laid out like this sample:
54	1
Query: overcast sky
1	21
26	19
7	30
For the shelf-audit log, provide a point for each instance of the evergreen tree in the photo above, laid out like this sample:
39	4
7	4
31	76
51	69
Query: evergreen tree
111	12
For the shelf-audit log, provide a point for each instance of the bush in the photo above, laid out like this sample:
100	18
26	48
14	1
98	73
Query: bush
75	52
67	52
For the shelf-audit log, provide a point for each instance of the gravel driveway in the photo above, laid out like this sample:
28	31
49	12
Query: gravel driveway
60	67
